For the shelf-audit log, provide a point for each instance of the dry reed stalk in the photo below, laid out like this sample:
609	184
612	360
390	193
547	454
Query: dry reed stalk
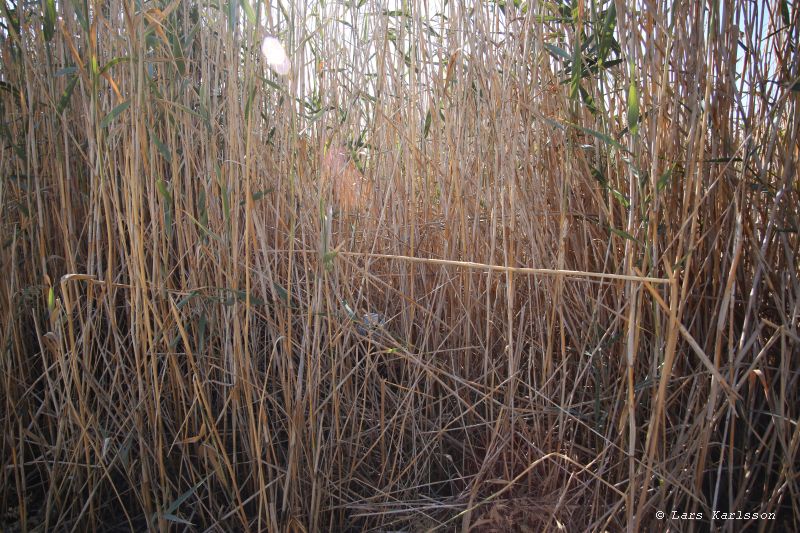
577	228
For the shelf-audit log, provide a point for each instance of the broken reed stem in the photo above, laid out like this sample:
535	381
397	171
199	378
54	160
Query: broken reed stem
516	270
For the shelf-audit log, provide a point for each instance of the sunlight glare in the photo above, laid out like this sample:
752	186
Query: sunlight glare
276	56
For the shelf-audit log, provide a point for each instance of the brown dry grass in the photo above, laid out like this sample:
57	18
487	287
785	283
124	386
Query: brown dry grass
587	269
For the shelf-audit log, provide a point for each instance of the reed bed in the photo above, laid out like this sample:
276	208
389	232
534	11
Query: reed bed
466	266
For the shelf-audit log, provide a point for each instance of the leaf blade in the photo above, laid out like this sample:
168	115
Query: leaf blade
633	106
114	113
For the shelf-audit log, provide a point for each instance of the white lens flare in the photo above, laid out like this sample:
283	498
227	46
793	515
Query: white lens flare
276	56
